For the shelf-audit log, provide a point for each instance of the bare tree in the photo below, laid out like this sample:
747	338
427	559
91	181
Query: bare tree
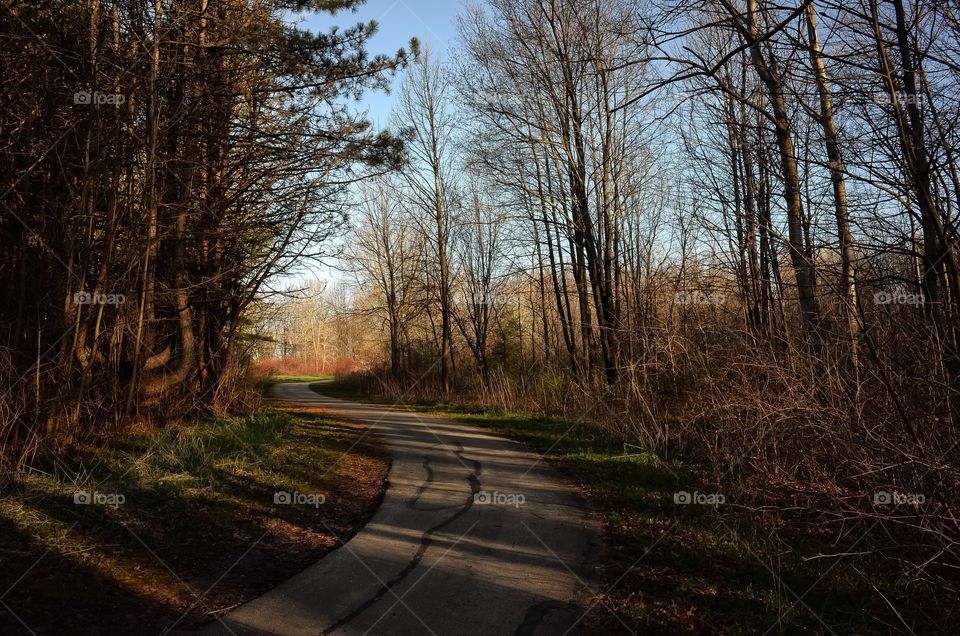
386	252
424	112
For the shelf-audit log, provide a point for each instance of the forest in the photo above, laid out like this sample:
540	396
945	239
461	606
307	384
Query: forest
723	232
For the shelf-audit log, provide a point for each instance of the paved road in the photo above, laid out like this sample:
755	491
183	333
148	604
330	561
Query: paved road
435	559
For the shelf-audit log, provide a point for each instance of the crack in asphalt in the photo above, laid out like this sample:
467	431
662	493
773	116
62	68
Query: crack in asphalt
412	504
426	539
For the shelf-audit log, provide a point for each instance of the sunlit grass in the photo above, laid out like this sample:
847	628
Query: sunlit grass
196	497
263	383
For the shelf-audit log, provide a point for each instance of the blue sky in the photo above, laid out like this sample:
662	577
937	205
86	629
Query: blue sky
431	21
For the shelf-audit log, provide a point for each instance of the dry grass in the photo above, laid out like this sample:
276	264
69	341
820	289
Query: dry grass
869	468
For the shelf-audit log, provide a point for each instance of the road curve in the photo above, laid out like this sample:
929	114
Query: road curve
436	559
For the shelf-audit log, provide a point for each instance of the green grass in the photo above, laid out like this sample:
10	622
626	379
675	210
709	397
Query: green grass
199	504
674	568
686	568
265	382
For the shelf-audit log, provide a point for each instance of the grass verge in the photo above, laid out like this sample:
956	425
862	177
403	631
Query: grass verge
264	382
671	568
177	526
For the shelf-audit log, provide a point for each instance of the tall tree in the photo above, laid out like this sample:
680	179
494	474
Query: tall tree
423	110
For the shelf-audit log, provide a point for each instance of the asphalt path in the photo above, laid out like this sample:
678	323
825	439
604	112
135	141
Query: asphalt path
475	535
